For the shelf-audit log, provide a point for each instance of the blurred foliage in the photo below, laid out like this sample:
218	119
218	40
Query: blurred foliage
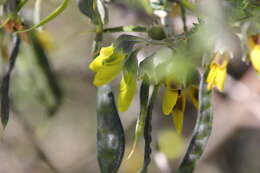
190	62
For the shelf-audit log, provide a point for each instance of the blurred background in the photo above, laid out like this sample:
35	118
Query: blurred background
66	142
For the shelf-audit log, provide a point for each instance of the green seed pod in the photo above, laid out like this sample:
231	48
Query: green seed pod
202	130
156	32
110	133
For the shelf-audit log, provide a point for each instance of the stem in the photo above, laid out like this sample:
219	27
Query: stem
126	29
51	16
183	16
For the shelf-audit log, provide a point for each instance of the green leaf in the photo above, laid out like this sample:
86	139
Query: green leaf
110	133
95	10
150	66
202	129
148	130
5	109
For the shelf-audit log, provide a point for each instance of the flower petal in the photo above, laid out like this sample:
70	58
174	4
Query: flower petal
169	100
255	58
126	92
178	116
98	62
194	92
250	42
117	57
107	51
211	77
107	74
220	78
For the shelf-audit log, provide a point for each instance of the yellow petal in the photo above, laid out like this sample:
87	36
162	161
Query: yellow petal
220	78
255	57
193	92
211	78
250	42
182	98
107	51
176	9
115	58
169	100
107	74
45	39
126	92
98	62
178	116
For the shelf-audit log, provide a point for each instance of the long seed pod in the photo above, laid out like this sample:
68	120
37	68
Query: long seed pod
148	131
140	124
202	129
110	133
5	109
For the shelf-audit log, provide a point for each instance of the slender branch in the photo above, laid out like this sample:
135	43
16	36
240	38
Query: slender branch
184	20
126	29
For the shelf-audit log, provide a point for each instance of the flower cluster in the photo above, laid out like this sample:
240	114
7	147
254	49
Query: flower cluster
218	67
112	61
107	65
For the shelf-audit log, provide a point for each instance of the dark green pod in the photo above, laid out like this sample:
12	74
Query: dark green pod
110	133
5	85
148	131
202	130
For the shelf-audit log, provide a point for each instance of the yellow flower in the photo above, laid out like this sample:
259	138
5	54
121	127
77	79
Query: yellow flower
218	72
178	112
126	92
254	52
169	99
174	103
176	10
107	65
45	39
